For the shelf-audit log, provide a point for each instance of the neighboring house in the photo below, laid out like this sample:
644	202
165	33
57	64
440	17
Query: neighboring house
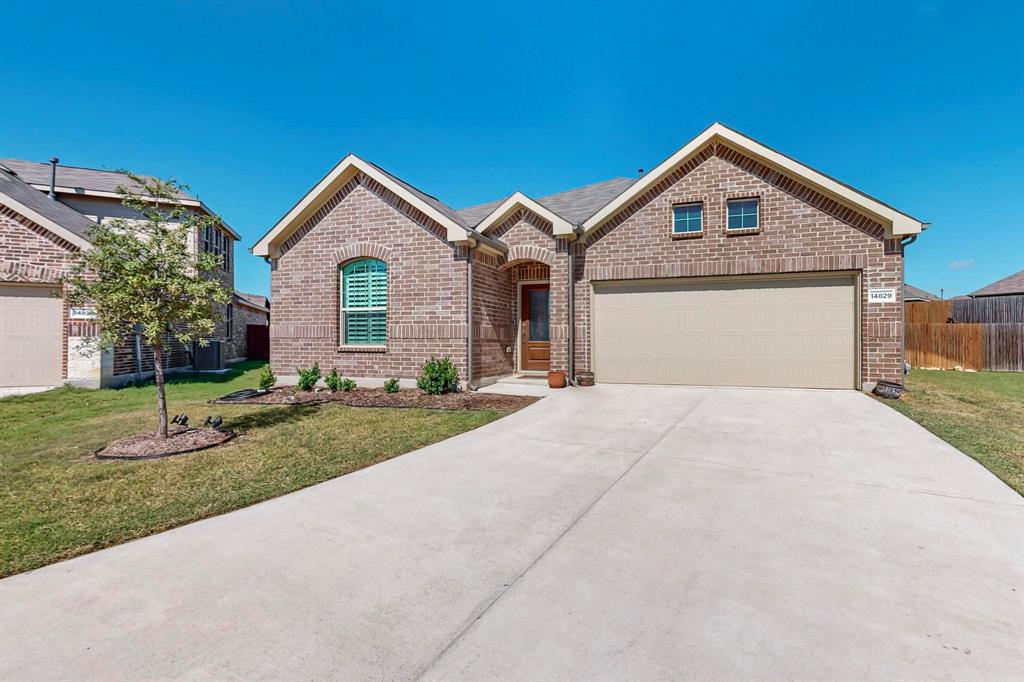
41	339
1012	285
912	294
728	264
245	310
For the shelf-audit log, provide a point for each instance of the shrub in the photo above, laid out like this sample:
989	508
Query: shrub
391	385
333	381
439	376
347	384
267	378
309	377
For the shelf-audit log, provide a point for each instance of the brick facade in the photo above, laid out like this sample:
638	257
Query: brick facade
426	306
800	231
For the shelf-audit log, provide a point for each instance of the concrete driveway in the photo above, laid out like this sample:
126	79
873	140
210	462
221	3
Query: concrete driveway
616	532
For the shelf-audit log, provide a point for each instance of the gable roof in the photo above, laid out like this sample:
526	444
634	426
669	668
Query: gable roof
1012	284
77	181
560	226
896	223
456	228
912	293
574	205
63	221
252	300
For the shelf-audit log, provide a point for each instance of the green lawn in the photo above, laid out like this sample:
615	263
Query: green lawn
57	501
980	413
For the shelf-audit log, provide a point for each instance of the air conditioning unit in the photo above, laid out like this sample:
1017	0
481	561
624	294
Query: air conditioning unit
210	357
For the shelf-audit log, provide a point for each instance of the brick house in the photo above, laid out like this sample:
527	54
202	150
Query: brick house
244	311
43	342
727	264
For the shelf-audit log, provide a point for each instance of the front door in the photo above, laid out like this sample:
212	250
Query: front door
535	326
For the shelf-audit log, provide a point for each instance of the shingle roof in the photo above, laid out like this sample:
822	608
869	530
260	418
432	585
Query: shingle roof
35	173
912	293
253	299
1013	284
433	201
575	205
68	218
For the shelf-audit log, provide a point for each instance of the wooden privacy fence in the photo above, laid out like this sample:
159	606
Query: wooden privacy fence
972	333
257	337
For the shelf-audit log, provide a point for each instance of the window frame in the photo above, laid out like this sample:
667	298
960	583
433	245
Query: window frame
688	233
758	203
344	310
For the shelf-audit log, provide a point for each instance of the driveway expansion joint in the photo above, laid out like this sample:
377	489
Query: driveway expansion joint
507	586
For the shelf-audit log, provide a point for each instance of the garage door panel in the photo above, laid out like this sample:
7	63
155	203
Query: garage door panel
30	336
749	332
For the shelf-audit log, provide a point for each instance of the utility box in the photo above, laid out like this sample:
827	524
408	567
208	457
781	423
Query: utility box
208	358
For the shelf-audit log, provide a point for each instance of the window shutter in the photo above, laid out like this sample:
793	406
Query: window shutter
365	288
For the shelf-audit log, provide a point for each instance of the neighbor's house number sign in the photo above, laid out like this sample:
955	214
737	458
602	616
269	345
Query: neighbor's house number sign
881	295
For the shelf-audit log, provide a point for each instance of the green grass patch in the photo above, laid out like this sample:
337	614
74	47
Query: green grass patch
58	501
979	413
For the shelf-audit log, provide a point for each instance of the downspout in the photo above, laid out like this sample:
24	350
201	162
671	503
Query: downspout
904	243
469	317
571	288
138	353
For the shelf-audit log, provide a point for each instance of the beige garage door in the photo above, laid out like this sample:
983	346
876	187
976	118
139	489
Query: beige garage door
727	332
30	336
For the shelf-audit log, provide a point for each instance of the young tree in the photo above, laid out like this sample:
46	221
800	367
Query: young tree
141	274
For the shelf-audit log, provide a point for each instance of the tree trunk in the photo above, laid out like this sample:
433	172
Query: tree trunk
161	397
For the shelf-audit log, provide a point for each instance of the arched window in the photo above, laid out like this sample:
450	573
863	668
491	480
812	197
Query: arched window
364	303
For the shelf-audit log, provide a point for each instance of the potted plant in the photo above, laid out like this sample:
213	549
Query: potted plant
556	379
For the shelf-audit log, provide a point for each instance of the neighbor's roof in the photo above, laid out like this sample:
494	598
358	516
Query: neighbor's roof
74	178
1014	284
912	293
38	207
254	300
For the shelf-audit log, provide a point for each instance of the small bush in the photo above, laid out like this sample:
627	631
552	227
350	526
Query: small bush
267	378
333	381
309	377
391	386
439	376
347	384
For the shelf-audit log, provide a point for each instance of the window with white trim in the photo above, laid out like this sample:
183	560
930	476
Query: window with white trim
364	303
688	218
743	214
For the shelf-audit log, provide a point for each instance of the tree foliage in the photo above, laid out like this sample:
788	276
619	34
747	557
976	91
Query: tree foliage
142	273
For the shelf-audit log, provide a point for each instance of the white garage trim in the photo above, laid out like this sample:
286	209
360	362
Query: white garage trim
786	349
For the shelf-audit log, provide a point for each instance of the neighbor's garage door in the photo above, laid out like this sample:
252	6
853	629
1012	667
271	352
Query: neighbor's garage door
30	336
727	332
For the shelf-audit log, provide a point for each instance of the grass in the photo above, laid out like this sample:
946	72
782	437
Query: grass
57	501
979	413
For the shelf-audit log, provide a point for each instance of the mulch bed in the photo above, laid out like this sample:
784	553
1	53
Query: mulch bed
150	446
378	397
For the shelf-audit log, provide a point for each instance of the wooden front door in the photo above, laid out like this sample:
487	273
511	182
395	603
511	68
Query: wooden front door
535	328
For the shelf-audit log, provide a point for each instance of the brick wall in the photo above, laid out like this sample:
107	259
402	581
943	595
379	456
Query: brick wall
243	316
29	253
426	287
801	231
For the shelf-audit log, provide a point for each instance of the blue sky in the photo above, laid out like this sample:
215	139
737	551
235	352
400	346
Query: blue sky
920	104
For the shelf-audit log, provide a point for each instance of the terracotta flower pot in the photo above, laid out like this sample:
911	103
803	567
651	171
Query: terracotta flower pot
556	379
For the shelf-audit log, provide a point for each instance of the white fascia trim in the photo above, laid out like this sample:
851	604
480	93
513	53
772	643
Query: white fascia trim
897	223
40	219
560	226
339	175
192	203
